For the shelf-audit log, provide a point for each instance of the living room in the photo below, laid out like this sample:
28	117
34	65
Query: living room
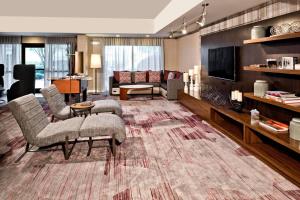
150	100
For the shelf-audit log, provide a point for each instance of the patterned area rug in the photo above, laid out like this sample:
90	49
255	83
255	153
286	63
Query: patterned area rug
169	153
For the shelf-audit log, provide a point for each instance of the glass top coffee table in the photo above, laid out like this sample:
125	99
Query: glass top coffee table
125	88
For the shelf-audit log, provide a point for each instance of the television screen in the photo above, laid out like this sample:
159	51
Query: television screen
222	63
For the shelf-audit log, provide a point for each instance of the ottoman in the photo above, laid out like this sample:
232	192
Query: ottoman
108	105
103	124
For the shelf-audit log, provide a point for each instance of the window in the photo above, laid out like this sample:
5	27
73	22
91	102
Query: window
131	58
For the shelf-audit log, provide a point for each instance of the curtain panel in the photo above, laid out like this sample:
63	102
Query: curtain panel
10	55
129	54
59	56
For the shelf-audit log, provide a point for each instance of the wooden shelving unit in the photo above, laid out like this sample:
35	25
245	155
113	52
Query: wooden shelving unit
273	38
272	70
272	102
279	151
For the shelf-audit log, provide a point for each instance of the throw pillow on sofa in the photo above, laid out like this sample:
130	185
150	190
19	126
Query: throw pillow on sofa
154	77
125	77
117	76
171	75
140	77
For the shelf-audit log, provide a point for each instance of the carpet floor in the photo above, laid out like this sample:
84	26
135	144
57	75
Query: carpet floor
169	153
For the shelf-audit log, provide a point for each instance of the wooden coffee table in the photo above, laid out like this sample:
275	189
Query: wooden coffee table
83	108
125	88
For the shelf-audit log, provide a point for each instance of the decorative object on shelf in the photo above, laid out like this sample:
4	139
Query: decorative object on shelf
297	66
276	30
191	73
295	26
258	32
254	117
186	80
197	73
295	129
274	126
236	100
95	64
288	62
286	28
260	88
272	63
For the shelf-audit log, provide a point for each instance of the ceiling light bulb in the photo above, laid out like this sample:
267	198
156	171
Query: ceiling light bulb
147	35
117	35
201	21
171	35
184	31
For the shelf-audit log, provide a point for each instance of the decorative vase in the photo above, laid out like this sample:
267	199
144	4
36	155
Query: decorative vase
258	32
260	88
295	129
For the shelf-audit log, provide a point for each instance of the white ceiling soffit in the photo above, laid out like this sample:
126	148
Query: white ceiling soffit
132	9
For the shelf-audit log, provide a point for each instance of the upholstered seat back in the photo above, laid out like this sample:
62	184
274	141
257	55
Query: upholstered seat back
1	75
29	115
54	98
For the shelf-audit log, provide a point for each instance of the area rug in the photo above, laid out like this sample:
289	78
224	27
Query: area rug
169	153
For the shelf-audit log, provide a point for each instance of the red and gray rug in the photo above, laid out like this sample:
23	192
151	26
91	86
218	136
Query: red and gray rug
169	153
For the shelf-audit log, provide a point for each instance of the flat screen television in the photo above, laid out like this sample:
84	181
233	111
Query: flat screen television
222	63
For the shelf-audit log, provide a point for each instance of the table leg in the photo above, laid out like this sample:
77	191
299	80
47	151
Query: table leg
84	95
123	94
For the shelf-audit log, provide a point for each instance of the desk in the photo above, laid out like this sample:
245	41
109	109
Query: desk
73	86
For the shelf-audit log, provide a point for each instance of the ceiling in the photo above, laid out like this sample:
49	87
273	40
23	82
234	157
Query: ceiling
215	11
102	17
142	9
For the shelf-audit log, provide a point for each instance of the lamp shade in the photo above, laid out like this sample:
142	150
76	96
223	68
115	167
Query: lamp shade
191	72
196	69
95	61
185	77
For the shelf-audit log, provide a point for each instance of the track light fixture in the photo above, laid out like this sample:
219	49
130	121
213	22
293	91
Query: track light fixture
171	35
184	30
201	21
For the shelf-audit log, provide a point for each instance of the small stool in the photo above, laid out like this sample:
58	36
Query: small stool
103	124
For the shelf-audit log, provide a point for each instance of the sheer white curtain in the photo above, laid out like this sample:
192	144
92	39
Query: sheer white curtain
120	54
59	57
10	55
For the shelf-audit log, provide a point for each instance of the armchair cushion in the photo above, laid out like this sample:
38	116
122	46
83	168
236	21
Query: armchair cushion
57	132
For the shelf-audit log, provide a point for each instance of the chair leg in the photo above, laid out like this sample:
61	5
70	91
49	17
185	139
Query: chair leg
23	154
113	145
52	118
90	143
65	147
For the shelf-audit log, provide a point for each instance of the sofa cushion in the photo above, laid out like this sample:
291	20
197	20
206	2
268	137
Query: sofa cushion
171	75
139	77
125	77
154	77
117	76
178	75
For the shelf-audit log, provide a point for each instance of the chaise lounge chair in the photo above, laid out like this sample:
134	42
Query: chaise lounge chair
37	129
62	111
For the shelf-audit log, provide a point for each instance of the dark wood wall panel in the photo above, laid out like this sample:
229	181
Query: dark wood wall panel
254	54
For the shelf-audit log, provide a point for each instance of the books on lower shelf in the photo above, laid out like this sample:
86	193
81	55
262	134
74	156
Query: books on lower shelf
283	97
274	126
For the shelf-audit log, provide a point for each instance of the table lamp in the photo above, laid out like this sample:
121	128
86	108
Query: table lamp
95	64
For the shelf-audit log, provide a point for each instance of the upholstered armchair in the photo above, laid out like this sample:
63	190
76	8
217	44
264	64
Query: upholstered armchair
61	110
36	128
25	74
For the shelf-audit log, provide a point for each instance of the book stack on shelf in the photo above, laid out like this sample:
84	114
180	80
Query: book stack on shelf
283	97
274	126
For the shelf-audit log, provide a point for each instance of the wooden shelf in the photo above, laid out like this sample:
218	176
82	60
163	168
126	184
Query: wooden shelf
283	162
273	38
271	102
272	70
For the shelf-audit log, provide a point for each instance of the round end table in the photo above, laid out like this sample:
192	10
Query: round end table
84	108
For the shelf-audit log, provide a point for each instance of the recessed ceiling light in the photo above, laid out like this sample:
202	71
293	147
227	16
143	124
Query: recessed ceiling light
118	35
147	35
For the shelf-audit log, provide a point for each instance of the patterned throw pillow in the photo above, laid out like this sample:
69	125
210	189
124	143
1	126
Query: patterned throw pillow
171	75
140	77
125	77
154	77
117	76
